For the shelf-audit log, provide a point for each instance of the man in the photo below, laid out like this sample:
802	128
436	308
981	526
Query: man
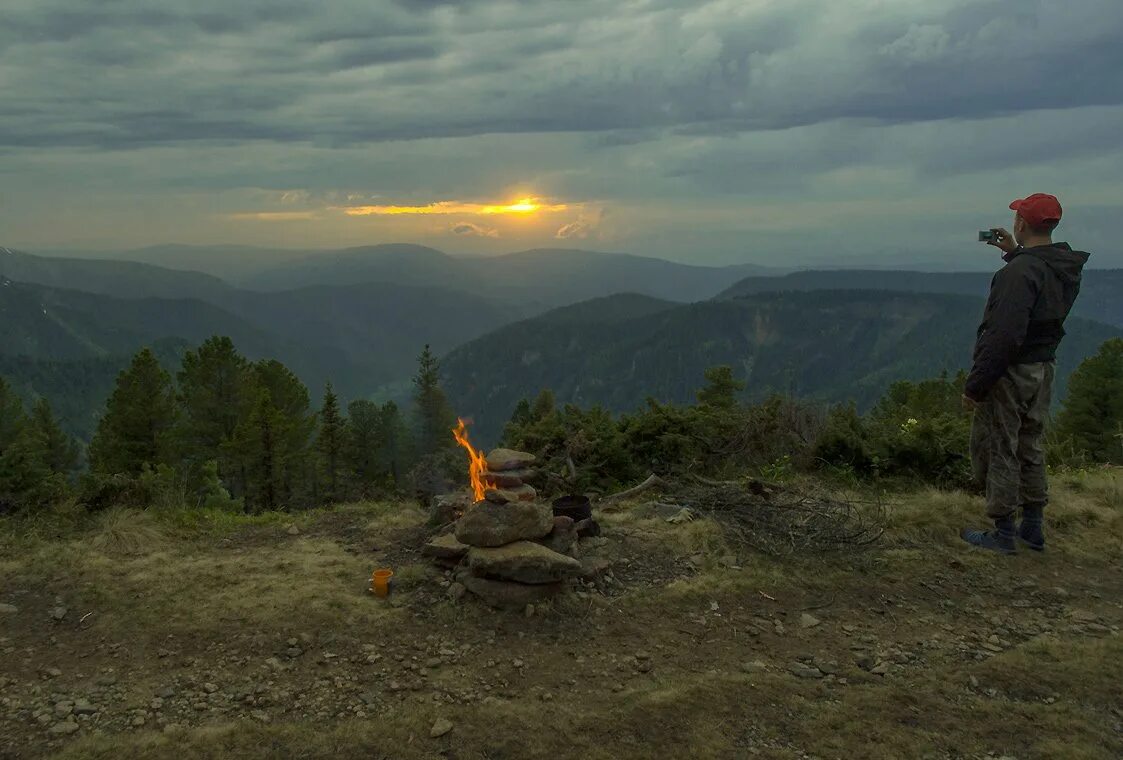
1011	383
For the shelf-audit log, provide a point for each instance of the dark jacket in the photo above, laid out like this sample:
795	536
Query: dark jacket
1025	313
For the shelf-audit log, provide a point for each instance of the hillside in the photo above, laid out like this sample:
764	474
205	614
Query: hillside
835	346
1101	293
124	279
549	277
359	337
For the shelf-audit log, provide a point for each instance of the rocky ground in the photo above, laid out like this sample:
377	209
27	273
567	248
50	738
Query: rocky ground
260	640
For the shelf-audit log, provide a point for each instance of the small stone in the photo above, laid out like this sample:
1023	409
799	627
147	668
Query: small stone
456	591
803	670
83	707
808	621
8	609
58	613
756	666
433	662
167	692
63	728
880	669
441	727
139	721
292	530
210	688
52	672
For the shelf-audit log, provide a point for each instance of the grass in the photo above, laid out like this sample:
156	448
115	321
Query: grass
217	582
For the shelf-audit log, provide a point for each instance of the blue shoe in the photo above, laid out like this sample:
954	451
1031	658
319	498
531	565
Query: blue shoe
995	540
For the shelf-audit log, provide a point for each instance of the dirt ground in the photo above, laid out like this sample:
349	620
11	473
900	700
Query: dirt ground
206	636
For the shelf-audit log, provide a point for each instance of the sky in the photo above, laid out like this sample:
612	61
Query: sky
767	131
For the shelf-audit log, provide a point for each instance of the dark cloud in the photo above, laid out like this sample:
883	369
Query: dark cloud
458	69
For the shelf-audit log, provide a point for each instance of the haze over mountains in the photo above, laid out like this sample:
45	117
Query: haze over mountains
832	345
596	328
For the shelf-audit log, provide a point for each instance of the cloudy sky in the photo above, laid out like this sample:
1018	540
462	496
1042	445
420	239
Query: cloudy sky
772	131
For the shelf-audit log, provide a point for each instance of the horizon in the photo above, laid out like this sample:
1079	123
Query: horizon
715	133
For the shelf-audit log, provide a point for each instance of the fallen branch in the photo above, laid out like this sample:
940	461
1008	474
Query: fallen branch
652	481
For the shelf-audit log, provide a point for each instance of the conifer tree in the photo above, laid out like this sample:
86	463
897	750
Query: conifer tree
363	444
330	444
394	444
1092	413
217	392
278	437
12	416
434	415
137	425
23	467
59	450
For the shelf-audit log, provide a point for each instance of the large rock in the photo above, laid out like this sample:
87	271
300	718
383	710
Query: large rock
502	460
562	538
522	561
507	495
513	478
488	524
508	594
445	548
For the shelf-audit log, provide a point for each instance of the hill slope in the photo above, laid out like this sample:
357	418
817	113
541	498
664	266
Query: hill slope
834	346
124	279
549	276
1101	293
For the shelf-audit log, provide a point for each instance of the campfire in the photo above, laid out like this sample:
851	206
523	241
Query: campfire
505	545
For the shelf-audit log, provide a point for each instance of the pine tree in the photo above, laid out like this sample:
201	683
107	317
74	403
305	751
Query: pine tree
434	415
330	444
23	468
362	448
136	428
282	420
25	478
59	450
394	446
217	392
1092	413
721	389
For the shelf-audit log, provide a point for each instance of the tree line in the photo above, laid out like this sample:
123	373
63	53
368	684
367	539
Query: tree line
236	434
226	431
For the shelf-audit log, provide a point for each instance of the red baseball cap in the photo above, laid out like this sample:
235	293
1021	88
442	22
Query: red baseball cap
1039	209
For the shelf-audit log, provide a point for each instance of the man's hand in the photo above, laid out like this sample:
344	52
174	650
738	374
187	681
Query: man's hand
969	404
1003	240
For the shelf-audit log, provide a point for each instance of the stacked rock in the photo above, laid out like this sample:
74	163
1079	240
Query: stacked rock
512	473
509	549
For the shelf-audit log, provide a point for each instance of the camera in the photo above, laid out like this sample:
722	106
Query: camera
985	236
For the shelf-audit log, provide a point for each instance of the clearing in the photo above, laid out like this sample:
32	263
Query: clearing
168	634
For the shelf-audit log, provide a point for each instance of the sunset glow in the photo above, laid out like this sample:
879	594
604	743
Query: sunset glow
520	206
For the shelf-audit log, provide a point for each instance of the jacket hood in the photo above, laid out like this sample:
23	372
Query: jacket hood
1059	257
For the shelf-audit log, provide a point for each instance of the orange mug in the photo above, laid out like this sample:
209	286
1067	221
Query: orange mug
380	582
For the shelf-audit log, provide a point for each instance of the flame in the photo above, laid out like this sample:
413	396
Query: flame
477	462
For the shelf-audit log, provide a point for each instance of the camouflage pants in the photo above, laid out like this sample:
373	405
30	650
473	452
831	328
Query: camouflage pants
1006	452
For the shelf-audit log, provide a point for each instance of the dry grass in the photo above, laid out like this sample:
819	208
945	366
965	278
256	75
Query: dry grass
231	577
127	532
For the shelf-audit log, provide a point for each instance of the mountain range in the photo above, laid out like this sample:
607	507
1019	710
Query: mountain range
834	345
1101	291
507	325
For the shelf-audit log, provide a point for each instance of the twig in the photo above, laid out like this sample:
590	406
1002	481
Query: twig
652	481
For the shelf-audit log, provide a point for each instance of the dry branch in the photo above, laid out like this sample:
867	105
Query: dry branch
652	481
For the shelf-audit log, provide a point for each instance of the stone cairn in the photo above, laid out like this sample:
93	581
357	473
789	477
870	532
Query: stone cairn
509	549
